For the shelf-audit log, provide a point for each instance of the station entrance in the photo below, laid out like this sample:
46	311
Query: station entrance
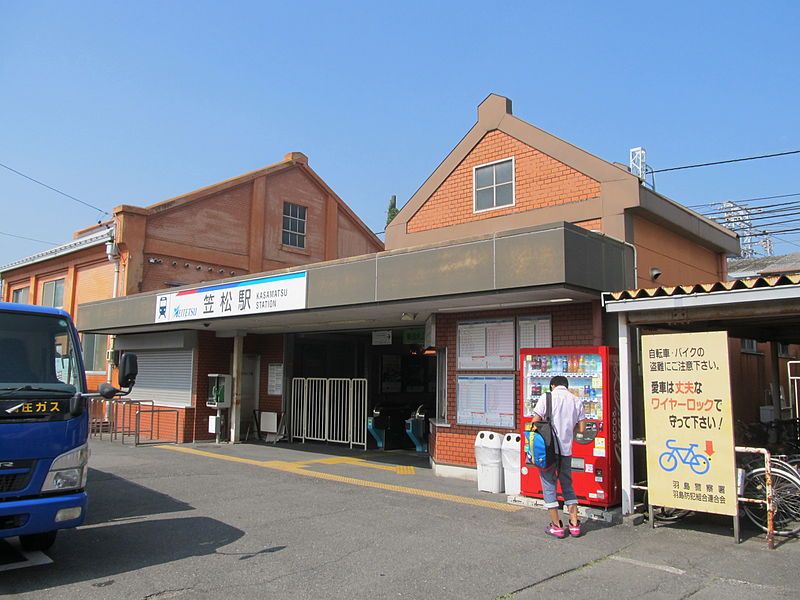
367	389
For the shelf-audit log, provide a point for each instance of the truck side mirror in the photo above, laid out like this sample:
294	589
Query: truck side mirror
128	370
107	391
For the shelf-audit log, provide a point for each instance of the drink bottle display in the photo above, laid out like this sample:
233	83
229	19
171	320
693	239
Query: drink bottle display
592	375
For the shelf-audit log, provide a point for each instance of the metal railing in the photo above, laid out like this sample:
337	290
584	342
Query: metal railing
123	417
329	410
152	411
768	500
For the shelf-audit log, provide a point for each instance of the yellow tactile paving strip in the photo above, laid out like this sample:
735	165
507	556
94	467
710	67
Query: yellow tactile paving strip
297	468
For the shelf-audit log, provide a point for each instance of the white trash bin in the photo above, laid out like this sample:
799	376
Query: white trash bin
511	462
488	449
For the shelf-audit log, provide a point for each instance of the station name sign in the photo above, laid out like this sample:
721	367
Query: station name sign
249	297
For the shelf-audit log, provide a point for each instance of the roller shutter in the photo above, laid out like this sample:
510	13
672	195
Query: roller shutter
165	376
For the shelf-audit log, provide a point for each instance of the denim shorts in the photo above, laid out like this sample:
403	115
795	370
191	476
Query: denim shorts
548	477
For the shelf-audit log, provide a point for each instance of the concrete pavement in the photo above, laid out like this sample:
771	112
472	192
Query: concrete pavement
250	521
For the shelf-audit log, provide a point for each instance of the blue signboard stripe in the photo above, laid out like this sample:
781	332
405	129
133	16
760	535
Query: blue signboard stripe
225	286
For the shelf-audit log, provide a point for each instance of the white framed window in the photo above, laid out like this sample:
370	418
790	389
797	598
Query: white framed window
294	225
53	293
20	295
749	345
493	185
94	352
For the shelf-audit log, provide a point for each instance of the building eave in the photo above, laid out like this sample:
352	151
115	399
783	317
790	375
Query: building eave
94	239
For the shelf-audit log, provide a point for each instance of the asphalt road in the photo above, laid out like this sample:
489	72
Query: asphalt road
166	524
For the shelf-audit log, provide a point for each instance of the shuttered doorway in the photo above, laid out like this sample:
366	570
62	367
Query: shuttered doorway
165	377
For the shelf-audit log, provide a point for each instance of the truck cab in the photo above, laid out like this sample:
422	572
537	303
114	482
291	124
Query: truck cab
44	424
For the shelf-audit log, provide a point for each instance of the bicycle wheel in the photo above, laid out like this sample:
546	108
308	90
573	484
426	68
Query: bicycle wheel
668	461
700	464
669	515
786	500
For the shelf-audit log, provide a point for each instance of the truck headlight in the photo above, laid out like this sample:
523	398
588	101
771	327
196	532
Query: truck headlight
68	471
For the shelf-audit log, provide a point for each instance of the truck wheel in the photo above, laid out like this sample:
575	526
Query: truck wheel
37	541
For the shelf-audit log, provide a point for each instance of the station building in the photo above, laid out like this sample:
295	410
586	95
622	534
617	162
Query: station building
279	216
507	244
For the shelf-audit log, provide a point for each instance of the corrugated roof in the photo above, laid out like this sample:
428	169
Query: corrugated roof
747	283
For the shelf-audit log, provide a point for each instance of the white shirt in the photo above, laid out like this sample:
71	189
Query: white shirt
567	412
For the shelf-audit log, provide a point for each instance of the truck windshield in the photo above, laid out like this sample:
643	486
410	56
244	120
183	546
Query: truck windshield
38	361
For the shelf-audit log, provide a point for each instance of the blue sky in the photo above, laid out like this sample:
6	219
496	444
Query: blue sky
135	102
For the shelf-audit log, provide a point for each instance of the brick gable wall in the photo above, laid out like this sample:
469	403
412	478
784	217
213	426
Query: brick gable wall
540	181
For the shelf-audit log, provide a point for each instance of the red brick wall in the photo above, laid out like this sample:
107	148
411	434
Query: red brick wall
213	356
540	181
270	348
572	326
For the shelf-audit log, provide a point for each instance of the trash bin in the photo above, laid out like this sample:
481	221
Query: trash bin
488	449
511	462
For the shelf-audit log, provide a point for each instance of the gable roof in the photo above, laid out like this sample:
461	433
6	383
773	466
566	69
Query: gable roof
618	185
494	113
291	159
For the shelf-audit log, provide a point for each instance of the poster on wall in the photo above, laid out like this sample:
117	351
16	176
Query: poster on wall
275	379
485	400
486	345
689	422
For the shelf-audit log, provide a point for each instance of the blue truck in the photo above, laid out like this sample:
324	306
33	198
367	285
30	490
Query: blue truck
44	423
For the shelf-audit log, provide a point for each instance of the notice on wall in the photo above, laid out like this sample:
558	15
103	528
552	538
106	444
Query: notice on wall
485	400
689	422
486	345
248	297
275	379
382	338
535	332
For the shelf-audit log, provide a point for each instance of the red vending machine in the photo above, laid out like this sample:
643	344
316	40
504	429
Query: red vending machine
593	375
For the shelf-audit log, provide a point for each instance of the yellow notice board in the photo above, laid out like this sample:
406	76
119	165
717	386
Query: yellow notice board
691	462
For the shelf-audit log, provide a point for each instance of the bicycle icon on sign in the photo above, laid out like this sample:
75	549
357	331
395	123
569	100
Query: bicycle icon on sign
687	456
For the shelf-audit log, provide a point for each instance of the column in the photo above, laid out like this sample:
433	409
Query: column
236	400
625	415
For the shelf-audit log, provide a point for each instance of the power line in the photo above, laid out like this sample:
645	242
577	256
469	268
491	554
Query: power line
22	237
743	200
49	187
724	162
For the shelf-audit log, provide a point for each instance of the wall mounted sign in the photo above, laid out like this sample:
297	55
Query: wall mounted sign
486	345
485	400
382	338
248	297
689	422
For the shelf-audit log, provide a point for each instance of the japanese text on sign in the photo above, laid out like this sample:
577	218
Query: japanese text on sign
688	422
252	296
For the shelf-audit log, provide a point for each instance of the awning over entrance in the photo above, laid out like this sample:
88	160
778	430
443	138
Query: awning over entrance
539	265
765	309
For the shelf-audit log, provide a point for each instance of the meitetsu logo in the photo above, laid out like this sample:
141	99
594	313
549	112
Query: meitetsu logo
182	313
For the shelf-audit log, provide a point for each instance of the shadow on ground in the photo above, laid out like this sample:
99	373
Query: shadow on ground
115	541
722	526
113	498
391	457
